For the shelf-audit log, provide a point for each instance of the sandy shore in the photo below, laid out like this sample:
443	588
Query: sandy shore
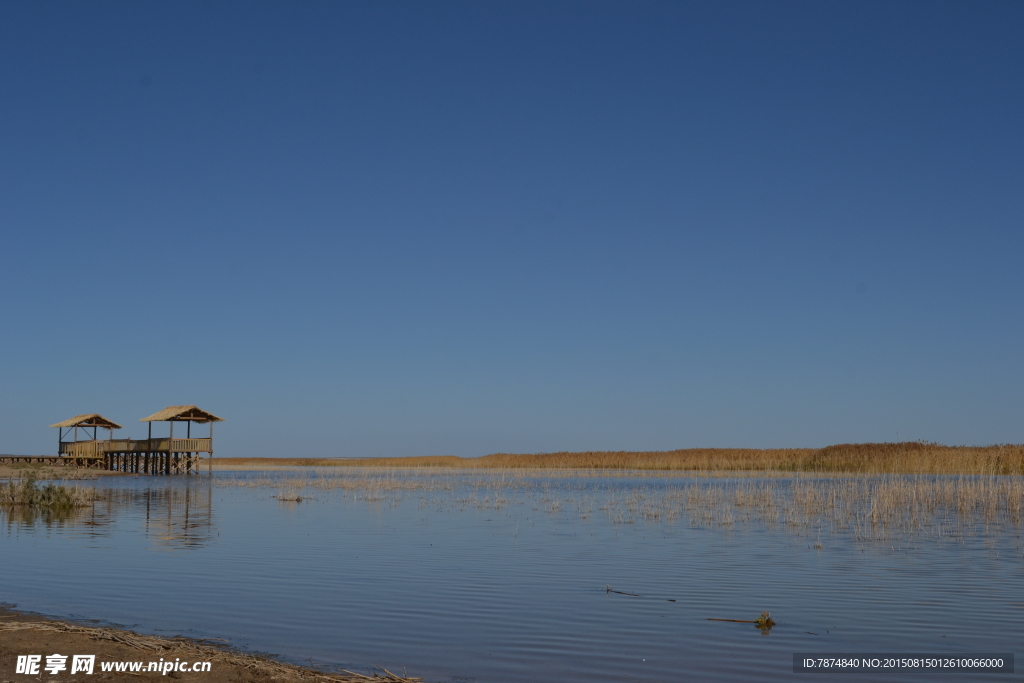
31	634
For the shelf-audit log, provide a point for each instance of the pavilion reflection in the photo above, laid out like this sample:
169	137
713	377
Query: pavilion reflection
174	517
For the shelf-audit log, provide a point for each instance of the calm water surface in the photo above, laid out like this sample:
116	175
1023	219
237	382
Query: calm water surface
470	584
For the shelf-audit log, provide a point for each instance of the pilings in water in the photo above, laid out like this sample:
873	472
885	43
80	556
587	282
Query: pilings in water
153	463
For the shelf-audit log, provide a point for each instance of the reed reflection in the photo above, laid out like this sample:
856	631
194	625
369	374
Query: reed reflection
174	517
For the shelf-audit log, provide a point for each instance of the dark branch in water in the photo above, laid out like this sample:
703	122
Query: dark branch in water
763	622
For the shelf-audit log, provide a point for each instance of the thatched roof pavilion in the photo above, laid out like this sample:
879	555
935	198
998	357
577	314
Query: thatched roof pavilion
182	414
161	455
89	420
94	420
187	414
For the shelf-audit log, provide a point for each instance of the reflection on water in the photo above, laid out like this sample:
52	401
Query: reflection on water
517	579
30	517
179	518
172	517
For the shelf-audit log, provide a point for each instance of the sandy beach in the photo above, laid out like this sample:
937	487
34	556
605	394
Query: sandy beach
24	633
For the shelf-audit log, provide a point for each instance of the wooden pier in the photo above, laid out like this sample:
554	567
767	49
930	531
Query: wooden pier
46	460
152	455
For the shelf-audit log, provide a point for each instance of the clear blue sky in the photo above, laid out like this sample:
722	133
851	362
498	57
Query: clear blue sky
406	228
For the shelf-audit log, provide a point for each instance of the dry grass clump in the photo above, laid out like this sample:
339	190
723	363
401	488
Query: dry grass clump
765	622
27	493
911	457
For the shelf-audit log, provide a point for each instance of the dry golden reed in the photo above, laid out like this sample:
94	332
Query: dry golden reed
913	457
864	506
870	508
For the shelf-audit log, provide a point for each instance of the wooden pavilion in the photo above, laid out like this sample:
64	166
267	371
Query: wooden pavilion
87	450
183	454
152	455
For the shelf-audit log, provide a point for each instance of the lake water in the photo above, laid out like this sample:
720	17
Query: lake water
508	580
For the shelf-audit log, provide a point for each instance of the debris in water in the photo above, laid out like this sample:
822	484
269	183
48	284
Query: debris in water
763	622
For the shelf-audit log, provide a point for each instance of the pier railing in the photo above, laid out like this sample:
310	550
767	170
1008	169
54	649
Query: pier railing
97	449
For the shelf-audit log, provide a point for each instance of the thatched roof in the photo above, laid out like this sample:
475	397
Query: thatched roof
90	420
182	414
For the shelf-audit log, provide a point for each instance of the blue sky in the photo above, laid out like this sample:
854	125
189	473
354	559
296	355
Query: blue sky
398	228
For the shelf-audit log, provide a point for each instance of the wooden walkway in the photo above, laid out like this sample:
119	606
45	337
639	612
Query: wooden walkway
146	456
96	449
48	460
143	456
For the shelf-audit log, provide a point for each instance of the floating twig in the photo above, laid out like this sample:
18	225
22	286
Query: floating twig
763	622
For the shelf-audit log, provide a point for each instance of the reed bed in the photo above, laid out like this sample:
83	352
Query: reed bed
877	508
868	507
27	493
914	457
